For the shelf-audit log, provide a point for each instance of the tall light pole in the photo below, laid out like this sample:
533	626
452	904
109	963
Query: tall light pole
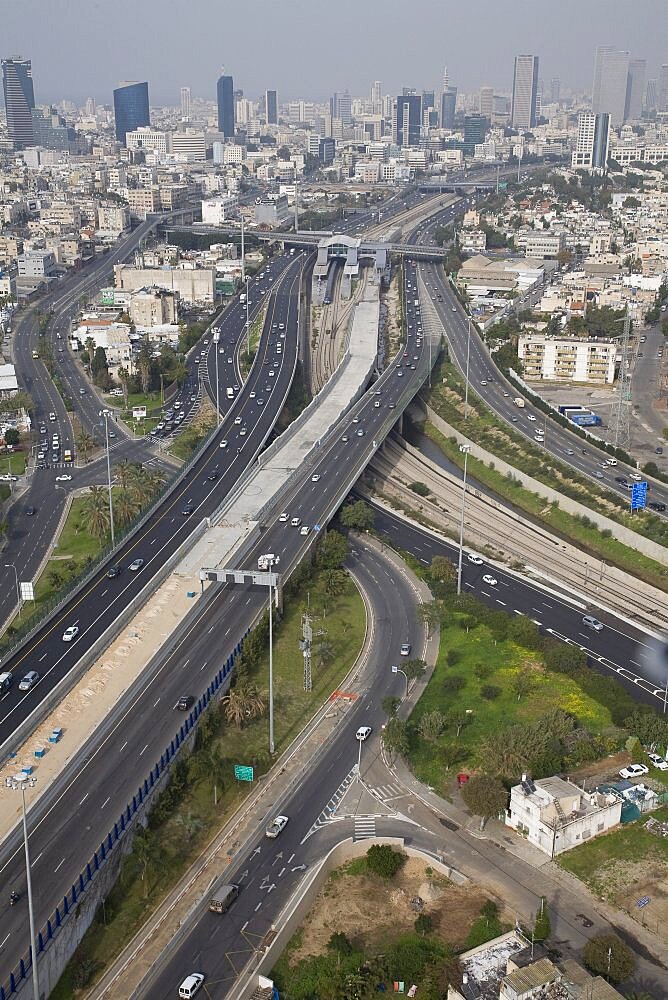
106	414
466	375
19	782
243	251
18	589
247	319
398	670
465	448
267	562
216	341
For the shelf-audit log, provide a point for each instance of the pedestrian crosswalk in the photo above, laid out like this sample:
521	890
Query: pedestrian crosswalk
365	827
385	793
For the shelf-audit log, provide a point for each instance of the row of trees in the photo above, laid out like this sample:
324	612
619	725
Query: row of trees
136	487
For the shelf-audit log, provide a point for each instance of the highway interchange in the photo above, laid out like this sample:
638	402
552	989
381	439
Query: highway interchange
126	732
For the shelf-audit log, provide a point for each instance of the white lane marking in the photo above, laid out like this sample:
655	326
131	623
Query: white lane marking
141	751
59	865
84	799
5	940
124	745
155	703
105	802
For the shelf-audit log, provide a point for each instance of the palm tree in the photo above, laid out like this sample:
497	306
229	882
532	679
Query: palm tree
124	379
242	702
85	444
126	507
96	511
89	344
126	474
325	652
155	481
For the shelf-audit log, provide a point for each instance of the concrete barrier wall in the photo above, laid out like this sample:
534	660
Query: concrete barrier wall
623	534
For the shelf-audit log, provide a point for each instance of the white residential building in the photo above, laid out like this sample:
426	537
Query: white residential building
567	359
188	146
593	142
555	815
216	211
148	139
36	264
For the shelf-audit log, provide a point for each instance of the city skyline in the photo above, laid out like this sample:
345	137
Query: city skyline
65	49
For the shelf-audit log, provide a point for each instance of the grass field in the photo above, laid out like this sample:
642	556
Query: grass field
14	464
503	661
196	819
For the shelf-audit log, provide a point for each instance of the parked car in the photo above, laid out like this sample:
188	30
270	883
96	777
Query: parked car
633	771
659	762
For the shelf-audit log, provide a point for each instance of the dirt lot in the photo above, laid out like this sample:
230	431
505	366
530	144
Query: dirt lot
371	911
606	769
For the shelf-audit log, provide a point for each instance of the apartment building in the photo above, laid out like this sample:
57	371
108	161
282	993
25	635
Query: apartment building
36	264
545	245
216	211
194	284
113	219
566	359
143	201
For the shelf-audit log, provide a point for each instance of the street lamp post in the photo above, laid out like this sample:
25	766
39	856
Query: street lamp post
19	782
268	562
466	376
216	341
106	414
18	589
398	670
247	321
465	448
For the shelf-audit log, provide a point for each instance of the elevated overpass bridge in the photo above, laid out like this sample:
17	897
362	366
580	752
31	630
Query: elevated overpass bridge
310	239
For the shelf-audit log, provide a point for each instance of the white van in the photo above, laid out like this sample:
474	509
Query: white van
230	392
611	461
190	985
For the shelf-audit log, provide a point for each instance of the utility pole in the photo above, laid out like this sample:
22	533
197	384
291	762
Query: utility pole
106	414
296	206
621	415
243	252
465	449
306	646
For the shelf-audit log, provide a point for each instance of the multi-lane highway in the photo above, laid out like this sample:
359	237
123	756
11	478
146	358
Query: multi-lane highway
98	605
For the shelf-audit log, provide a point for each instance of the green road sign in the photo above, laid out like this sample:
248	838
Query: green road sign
243	773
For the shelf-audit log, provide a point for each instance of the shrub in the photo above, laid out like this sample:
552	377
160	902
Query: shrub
608	948
423	924
384	861
490	692
420	489
453	657
453	683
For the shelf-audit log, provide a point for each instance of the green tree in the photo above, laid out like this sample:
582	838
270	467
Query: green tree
324	652
647	726
383	860
339	944
458	718
431	725
332	551
414	669
522	683
442	570
358	516
541	927
148	854
335	582
423	924
12	436
485	796
84	444
431	614
126	507
607	955
244	702
95	509
390	705
124	378
395	738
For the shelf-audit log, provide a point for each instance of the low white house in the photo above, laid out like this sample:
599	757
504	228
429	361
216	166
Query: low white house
555	815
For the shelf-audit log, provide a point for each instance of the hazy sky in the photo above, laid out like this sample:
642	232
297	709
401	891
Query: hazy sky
310	48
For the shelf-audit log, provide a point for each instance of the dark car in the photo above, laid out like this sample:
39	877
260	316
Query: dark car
657	506
114	571
185	702
31	511
658	451
187	510
621	480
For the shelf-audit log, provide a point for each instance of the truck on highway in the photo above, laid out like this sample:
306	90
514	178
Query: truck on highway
267	560
518	401
223	897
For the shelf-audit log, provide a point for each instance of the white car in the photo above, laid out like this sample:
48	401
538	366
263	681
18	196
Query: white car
473	558
295	522
70	633
363	733
63	479
633	771
223	444
635	477
304	530
315	478
7	478
276	826
284	516
483	382
492	581
659	762
531	418
237	420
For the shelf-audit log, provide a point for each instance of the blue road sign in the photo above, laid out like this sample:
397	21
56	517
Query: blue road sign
317	527
243	773
639	496
642	902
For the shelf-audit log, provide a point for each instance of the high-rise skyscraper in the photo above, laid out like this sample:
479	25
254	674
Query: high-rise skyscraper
448	107
185	102
662	89
271	107
130	108
486	101
525	88
19	100
636	89
610	93
90	106
340	105
225	96
407	119
651	95
593	142
376	92
475	130
555	89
